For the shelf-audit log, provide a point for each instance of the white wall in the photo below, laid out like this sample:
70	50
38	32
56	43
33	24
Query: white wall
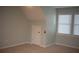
1	26
68	40
49	25
15	27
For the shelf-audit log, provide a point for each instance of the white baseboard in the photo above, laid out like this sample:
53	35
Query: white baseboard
44	46
48	45
20	44
41	45
67	45
15	45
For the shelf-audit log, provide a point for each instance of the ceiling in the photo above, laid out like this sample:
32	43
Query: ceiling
33	13
36	13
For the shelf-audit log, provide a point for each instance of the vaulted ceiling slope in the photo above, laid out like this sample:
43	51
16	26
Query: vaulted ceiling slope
33	13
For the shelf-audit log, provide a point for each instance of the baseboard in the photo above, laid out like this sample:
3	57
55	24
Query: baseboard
48	45
44	46
38	44
67	45
15	45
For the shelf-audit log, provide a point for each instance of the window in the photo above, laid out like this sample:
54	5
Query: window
76	25
68	20
64	23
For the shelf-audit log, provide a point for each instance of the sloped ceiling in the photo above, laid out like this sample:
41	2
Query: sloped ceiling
36	13
33	13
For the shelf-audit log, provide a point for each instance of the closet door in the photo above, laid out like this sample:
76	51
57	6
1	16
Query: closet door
36	34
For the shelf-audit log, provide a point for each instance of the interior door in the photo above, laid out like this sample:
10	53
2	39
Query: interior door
36	34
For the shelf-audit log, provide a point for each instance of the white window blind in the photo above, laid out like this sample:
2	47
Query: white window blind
76	25
64	23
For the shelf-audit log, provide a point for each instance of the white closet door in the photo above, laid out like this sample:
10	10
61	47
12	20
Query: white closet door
36	34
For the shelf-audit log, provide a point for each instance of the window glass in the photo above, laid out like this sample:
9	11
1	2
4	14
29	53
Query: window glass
64	23
65	19
76	25
76	30
76	20
64	29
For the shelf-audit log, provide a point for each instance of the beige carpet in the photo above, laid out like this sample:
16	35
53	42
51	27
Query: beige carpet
28	48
